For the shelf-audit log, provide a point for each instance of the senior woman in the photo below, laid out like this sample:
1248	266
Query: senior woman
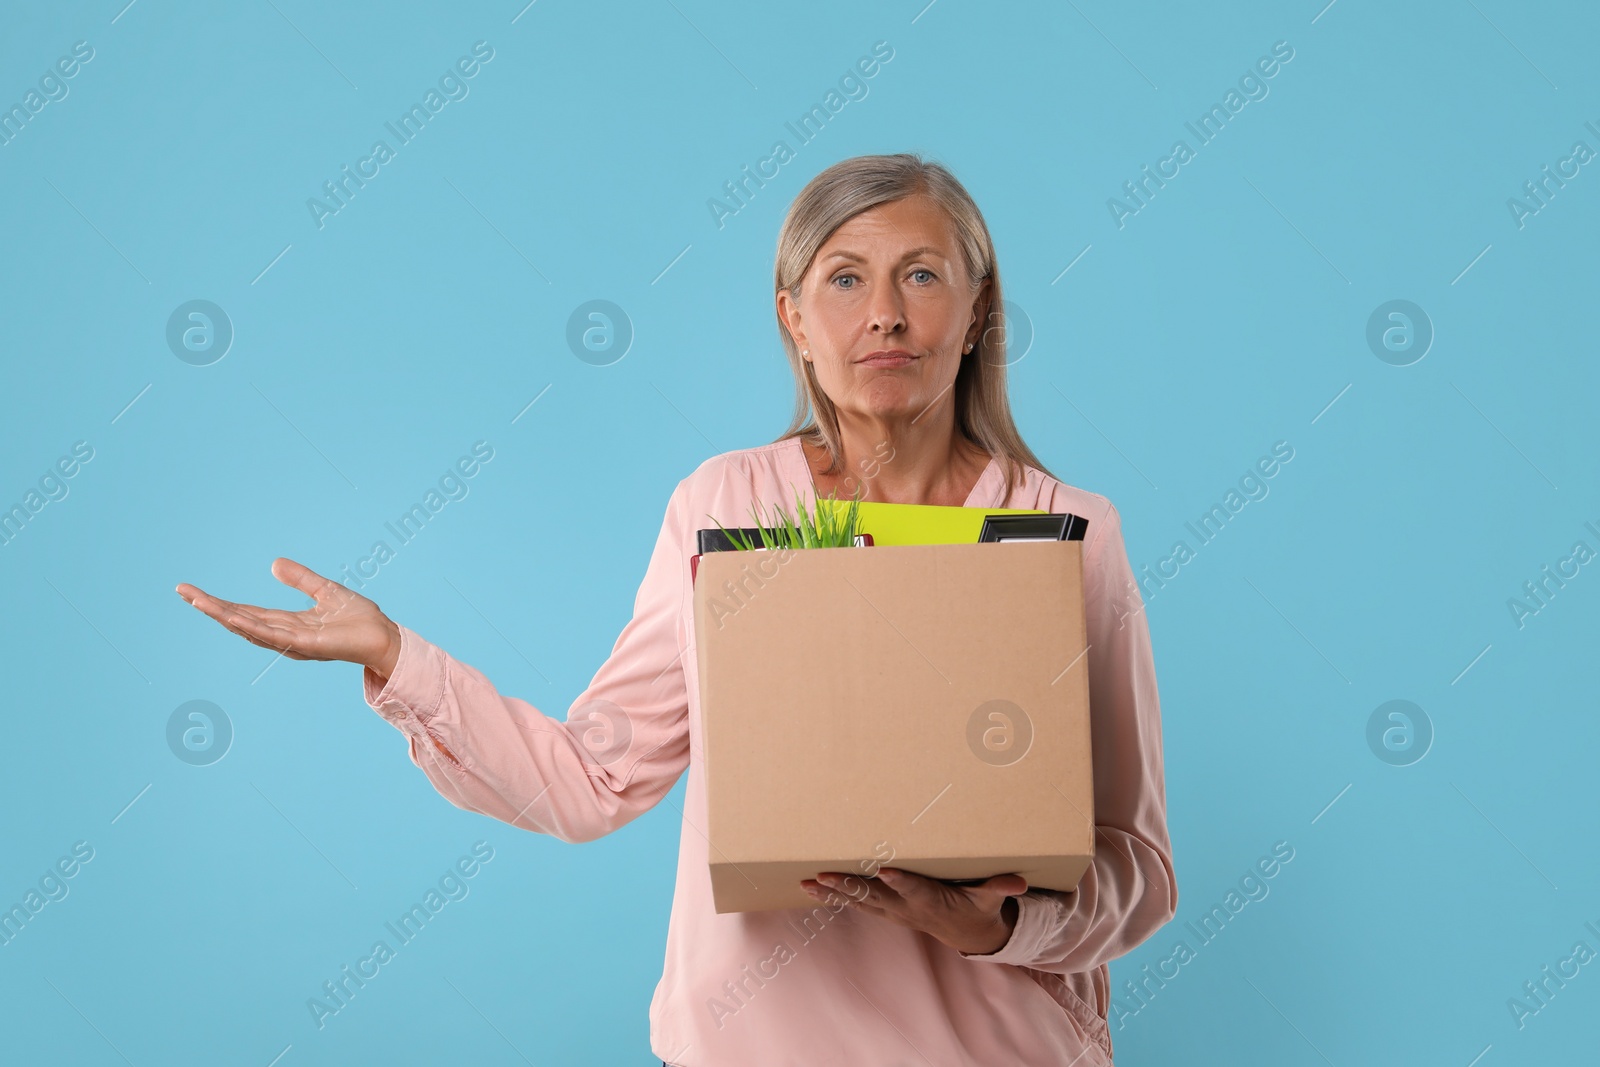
886	288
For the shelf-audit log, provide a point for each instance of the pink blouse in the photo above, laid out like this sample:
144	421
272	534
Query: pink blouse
821	985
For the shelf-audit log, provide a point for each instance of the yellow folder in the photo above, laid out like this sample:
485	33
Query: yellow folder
919	524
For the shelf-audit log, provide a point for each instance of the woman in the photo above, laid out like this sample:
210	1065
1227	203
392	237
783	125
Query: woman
885	281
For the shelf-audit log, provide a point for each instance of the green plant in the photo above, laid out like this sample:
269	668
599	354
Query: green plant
819	527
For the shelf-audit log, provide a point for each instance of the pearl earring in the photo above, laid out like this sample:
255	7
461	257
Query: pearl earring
969	348
805	351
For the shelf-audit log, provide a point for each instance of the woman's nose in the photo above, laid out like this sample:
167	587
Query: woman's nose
887	310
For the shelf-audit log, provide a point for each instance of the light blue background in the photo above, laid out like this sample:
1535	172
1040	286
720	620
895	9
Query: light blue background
1228	314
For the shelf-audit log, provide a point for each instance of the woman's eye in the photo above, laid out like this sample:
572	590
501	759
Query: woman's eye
841	279
929	274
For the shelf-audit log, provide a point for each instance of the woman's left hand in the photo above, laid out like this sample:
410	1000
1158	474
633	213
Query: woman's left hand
969	918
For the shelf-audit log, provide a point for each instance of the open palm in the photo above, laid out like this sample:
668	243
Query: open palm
341	625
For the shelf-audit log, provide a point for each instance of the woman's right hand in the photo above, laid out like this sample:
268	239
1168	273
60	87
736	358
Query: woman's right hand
342	625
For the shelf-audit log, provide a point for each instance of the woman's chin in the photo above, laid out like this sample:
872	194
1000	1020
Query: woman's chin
889	397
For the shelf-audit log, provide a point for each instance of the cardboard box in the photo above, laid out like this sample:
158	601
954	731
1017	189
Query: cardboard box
920	706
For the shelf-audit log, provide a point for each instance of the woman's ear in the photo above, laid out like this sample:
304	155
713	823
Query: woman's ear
789	315
981	314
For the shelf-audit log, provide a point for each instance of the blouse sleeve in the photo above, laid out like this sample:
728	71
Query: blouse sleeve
1129	891
623	744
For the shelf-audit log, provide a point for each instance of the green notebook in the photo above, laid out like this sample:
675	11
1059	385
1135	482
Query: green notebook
920	524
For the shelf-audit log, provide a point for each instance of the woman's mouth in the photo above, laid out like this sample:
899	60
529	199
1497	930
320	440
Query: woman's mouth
890	358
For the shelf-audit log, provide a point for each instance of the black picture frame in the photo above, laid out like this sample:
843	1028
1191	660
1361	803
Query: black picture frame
1057	526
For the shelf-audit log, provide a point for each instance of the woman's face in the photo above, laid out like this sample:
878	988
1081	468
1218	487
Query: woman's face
893	280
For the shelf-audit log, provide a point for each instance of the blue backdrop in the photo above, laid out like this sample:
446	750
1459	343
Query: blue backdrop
234	330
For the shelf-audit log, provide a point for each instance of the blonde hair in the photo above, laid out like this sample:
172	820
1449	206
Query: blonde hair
838	194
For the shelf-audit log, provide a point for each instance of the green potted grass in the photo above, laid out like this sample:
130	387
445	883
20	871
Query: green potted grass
816	527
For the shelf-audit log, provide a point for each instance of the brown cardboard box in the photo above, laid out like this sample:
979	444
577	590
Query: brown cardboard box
917	706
